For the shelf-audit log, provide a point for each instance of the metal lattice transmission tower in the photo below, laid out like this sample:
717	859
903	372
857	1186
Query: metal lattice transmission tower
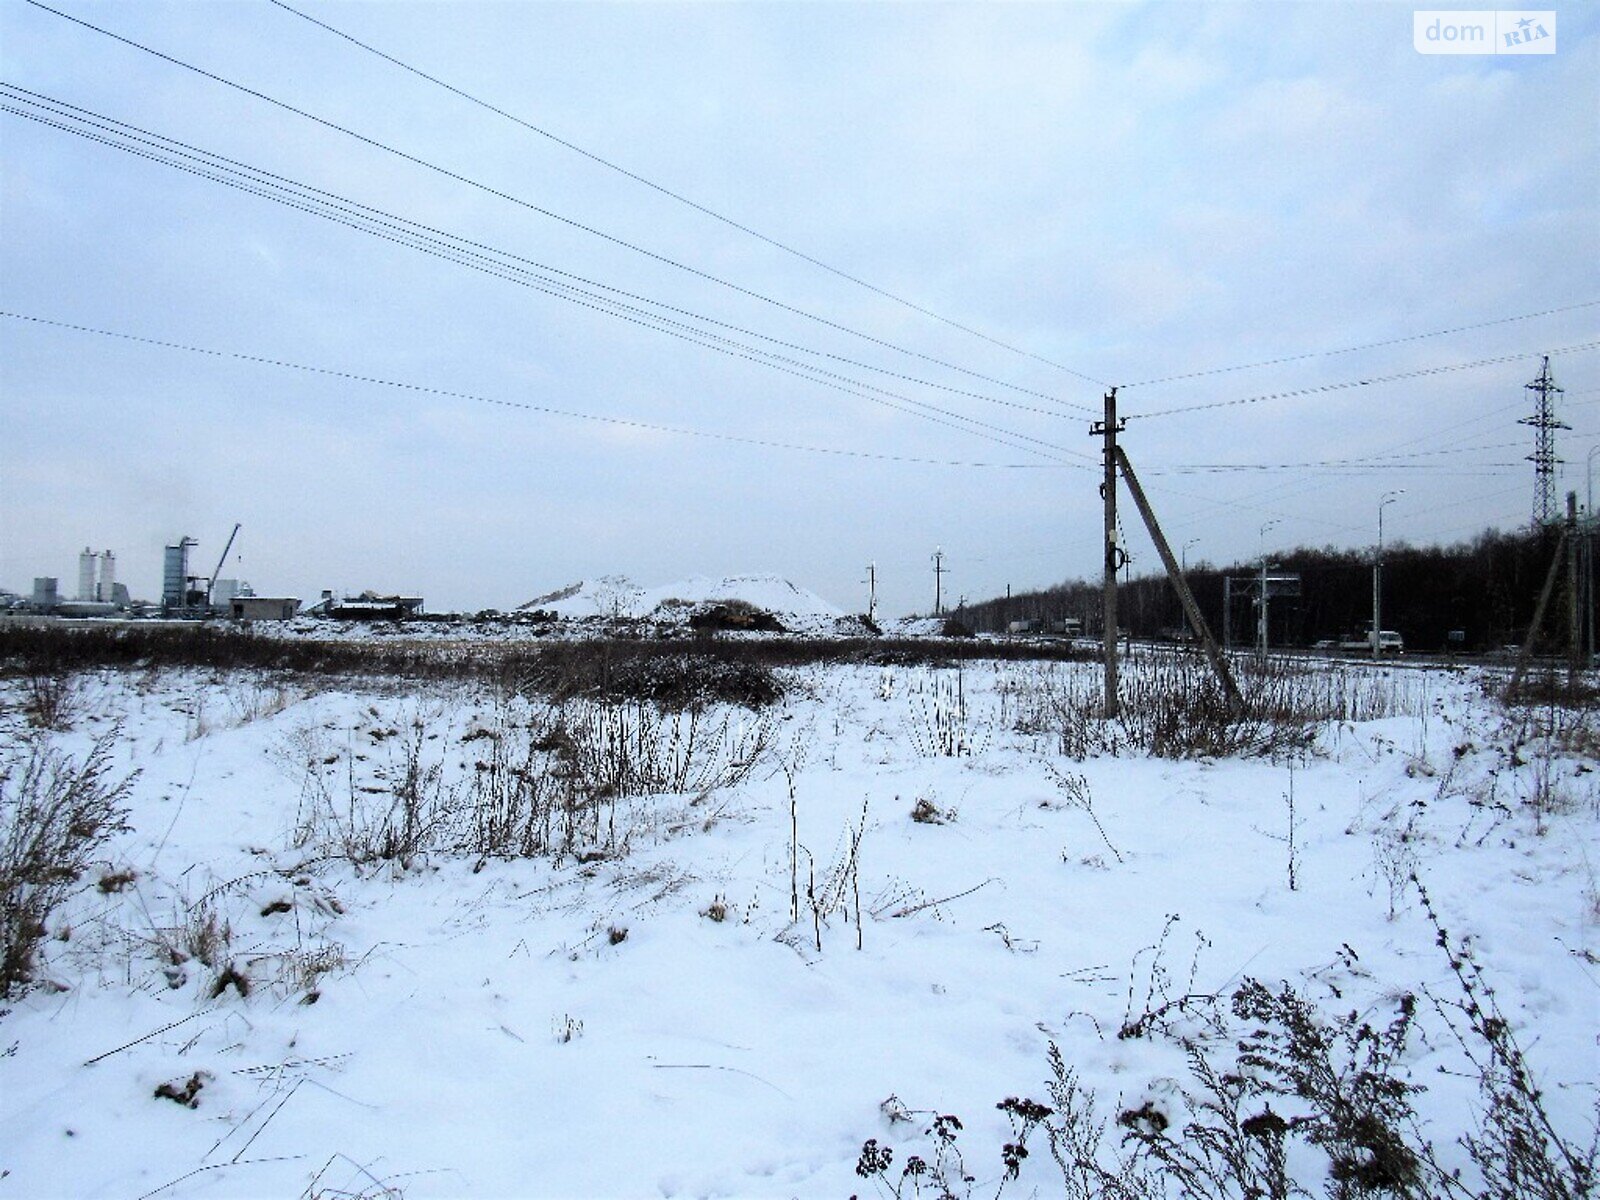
1544	460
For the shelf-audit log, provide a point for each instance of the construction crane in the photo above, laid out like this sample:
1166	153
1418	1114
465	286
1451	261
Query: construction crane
211	583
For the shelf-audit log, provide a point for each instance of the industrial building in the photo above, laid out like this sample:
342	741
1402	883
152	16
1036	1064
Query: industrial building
183	594
97	582
368	606
177	585
249	607
98	593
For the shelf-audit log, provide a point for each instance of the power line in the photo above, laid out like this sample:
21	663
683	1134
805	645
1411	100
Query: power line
1452	427
680	198
1414	337
259	176
1355	383
1398	461
520	202
424	239
424	389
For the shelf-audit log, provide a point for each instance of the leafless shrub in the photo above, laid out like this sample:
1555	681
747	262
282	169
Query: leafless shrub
1165	1000
1552	687
1171	706
941	724
542	779
1286	1085
53	696
1075	793
514	799
1517	1148
55	812
1340	1085
302	969
1395	858
206	936
408	813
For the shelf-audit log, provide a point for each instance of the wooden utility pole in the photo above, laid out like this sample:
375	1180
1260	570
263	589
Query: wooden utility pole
872	591
1574	628
938	583
1262	628
1197	622
1526	653
1108	429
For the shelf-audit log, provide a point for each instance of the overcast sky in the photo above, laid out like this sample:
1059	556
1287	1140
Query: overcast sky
1130	191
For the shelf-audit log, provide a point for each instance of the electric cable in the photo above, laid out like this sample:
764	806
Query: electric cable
349	207
1356	383
529	205
561	290
680	198
1289	358
548	410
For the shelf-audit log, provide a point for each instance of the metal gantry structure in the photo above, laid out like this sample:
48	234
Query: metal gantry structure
1546	512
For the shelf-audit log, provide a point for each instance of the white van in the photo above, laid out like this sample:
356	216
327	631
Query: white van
1389	642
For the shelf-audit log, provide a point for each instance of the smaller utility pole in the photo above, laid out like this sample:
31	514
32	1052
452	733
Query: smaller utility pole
938	582
1377	576
1263	627
872	591
1227	612
1261	615
1574	628
1525	655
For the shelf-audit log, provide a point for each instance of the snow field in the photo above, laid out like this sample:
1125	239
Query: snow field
480	1030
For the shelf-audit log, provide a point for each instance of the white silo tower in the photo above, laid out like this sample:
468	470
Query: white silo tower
86	562
108	577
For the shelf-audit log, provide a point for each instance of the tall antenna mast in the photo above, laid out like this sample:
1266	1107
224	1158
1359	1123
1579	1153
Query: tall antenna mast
1543	458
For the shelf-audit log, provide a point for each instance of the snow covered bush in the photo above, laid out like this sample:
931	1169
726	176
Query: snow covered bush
667	676
941	725
55	812
53	697
1173	707
538	778
404	812
1287	1101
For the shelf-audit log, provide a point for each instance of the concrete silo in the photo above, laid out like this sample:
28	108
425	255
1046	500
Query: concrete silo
105	590
175	574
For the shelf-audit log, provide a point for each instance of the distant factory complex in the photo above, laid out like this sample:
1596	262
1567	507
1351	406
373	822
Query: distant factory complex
188	596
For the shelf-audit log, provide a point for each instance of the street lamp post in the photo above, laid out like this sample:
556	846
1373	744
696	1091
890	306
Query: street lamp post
1589	500
1261	619
1377	576
1588	553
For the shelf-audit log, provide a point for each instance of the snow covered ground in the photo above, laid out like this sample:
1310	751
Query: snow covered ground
797	608
655	1022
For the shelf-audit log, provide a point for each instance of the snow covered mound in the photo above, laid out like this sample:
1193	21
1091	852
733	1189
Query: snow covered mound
608	596
796	608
